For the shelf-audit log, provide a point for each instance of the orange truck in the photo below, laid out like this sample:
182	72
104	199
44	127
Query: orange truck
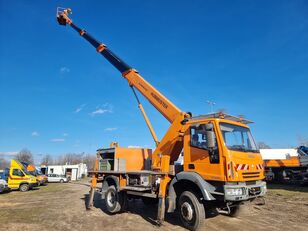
222	166
286	165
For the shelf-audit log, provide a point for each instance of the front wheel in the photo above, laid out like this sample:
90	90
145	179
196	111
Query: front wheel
192	213
61	181
24	187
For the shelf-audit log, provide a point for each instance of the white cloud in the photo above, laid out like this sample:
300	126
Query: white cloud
100	111
8	154
110	129
80	108
35	133
57	140
64	70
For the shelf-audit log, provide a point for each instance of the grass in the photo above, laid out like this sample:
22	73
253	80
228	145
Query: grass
287	190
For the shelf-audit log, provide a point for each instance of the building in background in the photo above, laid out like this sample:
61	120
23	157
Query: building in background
74	172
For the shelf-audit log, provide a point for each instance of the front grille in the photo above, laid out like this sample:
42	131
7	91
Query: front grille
248	175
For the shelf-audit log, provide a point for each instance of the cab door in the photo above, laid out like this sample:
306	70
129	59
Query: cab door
16	176
198	157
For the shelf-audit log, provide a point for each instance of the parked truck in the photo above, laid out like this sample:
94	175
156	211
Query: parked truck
3	185
286	165
222	166
19	178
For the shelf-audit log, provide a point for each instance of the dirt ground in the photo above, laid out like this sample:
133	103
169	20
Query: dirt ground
62	207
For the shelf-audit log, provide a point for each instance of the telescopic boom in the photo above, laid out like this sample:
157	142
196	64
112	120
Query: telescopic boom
158	100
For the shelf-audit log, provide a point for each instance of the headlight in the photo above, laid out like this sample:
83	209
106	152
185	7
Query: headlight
234	191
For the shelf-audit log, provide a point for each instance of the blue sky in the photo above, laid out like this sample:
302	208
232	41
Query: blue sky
58	95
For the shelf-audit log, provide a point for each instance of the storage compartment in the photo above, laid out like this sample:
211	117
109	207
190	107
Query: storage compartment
125	159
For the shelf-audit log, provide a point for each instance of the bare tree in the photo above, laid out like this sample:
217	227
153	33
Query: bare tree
70	158
263	145
4	163
24	155
47	160
89	160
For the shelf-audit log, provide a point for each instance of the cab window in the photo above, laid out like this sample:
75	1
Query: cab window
17	172
198	137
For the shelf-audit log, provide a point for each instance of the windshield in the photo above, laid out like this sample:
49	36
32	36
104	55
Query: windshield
26	171
238	138
33	173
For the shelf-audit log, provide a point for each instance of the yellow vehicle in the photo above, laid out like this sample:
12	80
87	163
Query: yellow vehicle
19	178
221	165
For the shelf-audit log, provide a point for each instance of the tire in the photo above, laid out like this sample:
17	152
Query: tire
191	211
235	211
115	201
24	187
61	181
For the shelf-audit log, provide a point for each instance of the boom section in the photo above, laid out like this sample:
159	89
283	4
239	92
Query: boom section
158	100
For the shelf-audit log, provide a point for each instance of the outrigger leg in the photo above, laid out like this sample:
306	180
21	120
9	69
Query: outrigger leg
89	203
161	211
91	193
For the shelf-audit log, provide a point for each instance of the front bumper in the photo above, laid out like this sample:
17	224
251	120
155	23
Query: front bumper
34	185
42	182
242	191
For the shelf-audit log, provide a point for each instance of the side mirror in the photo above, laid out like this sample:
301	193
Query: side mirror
210	135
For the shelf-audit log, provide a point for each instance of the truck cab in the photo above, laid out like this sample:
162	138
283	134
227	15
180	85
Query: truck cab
221	149
19	178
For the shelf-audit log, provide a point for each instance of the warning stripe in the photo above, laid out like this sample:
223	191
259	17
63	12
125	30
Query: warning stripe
242	167
259	166
17	178
229	169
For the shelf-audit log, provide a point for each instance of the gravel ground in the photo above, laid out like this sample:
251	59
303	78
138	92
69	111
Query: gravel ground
62	207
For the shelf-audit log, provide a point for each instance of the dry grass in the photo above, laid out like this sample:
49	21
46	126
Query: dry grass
62	207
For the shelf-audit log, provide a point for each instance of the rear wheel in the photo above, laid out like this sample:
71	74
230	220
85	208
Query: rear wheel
61	181
115	201
191	211
24	187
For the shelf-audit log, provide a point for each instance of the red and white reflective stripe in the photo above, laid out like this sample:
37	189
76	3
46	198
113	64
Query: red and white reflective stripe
229	169
259	166
242	167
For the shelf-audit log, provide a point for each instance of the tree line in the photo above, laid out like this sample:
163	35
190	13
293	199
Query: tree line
25	155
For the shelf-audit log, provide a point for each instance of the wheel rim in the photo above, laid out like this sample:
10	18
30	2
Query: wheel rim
187	211
111	199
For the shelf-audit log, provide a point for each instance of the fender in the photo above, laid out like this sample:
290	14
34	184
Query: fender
106	184
195	178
